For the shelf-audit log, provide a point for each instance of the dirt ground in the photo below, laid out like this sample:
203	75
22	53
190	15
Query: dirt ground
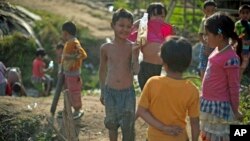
91	124
97	20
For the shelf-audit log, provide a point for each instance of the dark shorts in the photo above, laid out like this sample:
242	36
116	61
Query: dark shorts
147	70
120	111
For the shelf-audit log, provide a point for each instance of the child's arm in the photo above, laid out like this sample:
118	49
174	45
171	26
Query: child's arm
195	128
172	130
102	70
233	75
135	61
244	64
79	53
42	68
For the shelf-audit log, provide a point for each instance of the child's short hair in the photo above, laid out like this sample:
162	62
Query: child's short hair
59	46
156	8
69	27
176	53
122	13
40	52
209	3
244	7
16	87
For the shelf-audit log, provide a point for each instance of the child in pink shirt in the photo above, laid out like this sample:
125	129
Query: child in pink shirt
221	83
158	30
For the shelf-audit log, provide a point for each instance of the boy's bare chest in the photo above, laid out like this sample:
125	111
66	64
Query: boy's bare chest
119	54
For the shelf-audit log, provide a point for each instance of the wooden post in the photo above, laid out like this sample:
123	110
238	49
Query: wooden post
59	86
68	121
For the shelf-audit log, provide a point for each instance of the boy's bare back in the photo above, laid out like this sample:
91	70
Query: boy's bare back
117	58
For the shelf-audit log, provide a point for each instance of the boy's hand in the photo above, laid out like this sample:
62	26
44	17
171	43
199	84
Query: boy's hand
172	130
136	47
238	116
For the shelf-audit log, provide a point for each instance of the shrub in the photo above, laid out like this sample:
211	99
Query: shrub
18	50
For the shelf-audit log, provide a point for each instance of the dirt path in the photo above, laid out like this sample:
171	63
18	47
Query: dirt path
98	21
91	124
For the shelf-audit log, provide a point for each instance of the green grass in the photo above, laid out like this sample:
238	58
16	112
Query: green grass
192	23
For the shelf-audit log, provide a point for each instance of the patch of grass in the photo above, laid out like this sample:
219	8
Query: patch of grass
17	128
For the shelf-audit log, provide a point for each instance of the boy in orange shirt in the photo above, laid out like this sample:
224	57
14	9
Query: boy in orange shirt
166	100
72	57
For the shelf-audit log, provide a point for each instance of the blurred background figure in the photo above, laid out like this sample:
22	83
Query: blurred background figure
15	84
3	81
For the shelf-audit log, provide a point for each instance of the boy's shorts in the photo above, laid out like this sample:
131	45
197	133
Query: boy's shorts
120	111
74	86
38	83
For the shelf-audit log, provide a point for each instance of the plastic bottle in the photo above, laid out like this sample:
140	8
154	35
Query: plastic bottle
51	64
142	30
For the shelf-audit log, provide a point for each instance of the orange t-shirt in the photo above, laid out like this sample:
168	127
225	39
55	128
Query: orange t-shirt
169	101
73	48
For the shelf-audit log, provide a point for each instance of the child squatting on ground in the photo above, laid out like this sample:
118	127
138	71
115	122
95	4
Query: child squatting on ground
39	79
221	82
72	57
157	31
166	101
118	64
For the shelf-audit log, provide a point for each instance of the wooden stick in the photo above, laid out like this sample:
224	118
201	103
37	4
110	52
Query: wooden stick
68	120
59	86
57	132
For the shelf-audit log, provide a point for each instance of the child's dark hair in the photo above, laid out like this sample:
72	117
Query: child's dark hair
16	87
40	52
176	52
69	27
59	46
244	7
209	3
122	13
221	23
156	8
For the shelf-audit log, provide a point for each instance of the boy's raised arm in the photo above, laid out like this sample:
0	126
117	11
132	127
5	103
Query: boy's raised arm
102	70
